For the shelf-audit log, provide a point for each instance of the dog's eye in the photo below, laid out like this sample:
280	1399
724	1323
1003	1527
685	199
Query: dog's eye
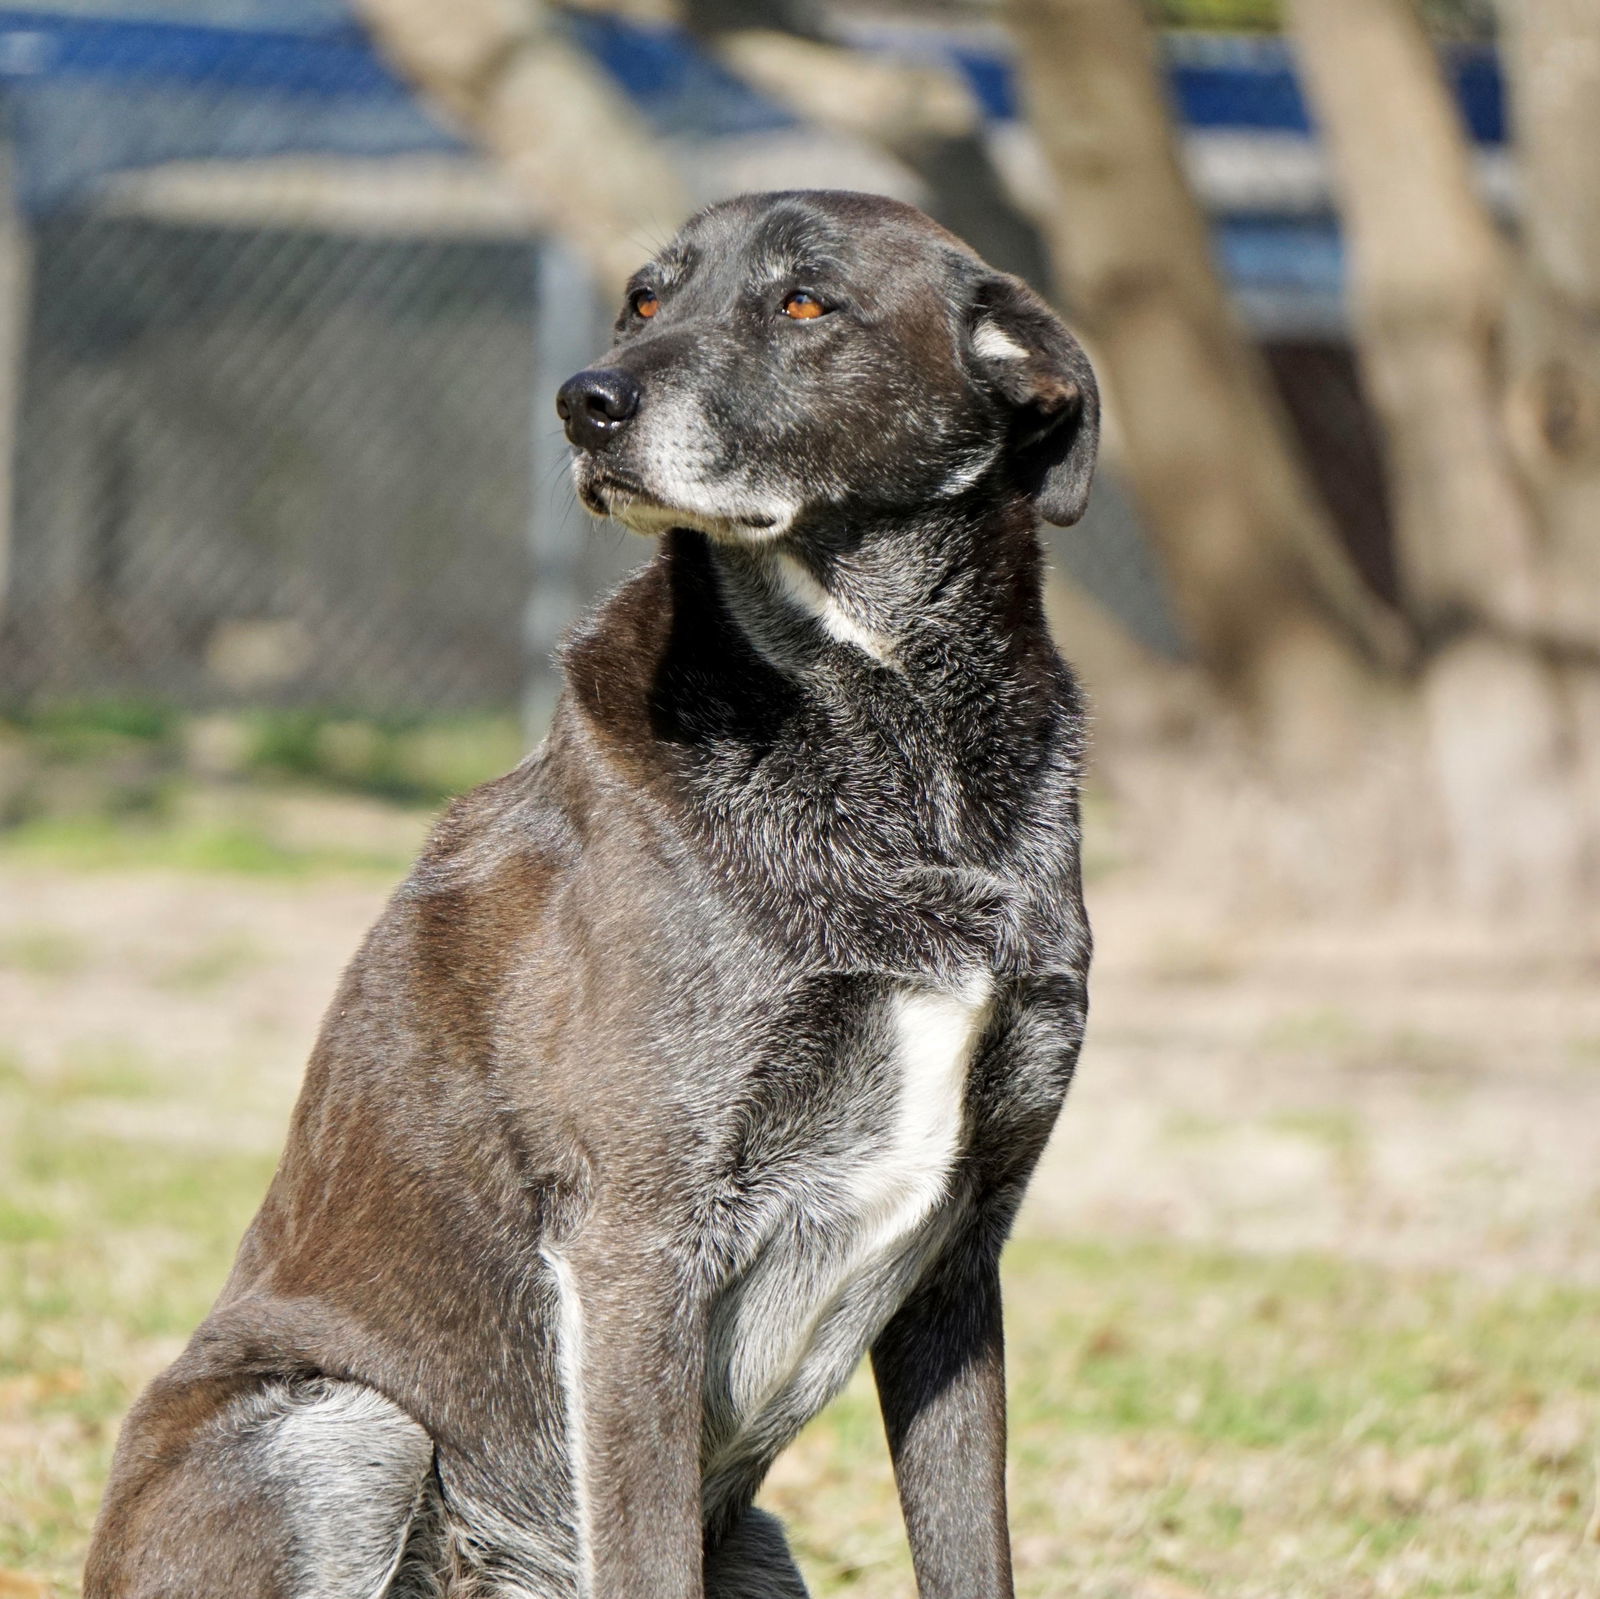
644	302
801	305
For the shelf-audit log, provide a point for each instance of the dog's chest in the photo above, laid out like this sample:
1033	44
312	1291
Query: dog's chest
845	1231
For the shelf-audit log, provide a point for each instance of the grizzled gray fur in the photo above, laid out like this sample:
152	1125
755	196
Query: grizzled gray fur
712	1048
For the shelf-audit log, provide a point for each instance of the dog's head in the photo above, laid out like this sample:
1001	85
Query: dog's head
799	354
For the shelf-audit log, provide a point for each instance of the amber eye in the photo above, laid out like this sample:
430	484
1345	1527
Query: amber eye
644	302
801	305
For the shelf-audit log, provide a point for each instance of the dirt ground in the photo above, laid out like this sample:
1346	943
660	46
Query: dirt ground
1415	1092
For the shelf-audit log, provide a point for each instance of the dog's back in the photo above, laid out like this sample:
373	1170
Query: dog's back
714	1045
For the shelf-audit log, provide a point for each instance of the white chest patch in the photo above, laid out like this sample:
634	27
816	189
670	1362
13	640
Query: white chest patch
825	1284
937	1033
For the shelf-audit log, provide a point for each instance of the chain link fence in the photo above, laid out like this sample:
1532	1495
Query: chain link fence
276	352
277	429
259	462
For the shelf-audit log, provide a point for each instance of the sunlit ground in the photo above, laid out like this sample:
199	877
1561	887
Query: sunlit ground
1307	1300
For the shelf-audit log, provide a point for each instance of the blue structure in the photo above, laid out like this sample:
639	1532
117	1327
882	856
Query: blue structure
93	90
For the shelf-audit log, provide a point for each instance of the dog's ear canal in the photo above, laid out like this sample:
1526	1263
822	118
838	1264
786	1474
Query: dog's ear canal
1020	347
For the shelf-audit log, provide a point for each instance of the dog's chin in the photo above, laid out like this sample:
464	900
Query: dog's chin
631	504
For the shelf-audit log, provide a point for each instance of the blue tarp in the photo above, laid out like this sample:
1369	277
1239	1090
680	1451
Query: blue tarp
1249	83
86	96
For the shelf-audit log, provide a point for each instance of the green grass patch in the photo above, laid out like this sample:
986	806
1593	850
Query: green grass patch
20	1224
88	729
74	768
102	843
412	760
1225	1424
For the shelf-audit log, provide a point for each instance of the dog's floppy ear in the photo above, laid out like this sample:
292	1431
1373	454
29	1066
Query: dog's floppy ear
1023	352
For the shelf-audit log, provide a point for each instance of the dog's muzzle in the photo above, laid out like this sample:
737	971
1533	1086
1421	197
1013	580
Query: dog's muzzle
596	405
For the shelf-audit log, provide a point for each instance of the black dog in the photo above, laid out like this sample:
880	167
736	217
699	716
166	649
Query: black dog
714	1046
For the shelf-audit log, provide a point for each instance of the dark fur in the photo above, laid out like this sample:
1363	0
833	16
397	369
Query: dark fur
626	1019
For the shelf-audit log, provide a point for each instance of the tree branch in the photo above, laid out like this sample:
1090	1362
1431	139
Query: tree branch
506	73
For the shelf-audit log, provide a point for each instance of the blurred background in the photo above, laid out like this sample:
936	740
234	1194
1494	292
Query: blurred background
1306	1299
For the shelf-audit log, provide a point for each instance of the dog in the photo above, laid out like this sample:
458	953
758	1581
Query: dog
712	1048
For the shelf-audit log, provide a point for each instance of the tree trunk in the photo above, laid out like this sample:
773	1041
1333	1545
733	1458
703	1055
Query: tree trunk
506	73
1278	619
1553	58
1429	281
923	113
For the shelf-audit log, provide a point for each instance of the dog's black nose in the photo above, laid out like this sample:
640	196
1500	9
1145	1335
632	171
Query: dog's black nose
596	405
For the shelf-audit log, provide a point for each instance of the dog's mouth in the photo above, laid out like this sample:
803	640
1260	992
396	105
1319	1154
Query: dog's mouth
608	491
600	485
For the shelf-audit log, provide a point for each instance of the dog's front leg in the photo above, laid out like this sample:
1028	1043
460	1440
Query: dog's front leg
634	1349
940	1369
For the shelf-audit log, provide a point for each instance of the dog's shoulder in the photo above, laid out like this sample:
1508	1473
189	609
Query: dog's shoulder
456	927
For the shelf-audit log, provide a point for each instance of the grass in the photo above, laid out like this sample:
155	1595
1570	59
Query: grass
135	749
1183	1421
109	1250
109	786
1231	1425
252	847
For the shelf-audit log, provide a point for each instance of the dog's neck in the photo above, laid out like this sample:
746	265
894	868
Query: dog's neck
707	683
858	590
937	621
